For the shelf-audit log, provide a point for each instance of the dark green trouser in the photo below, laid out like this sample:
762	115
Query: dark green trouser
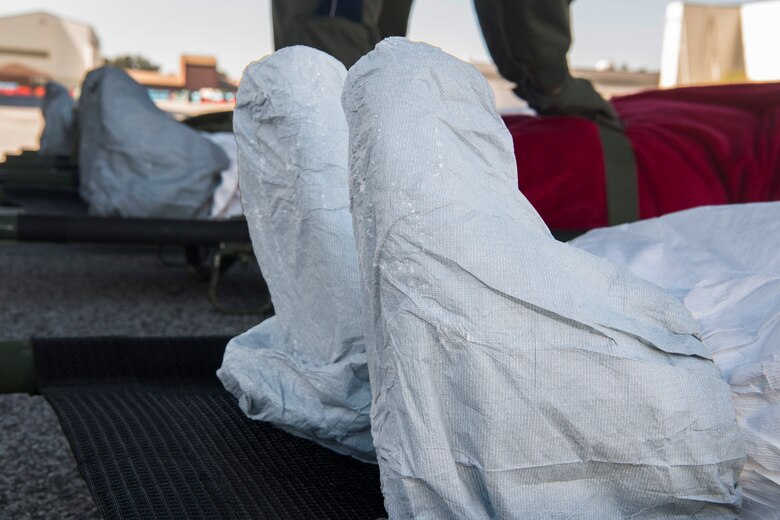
345	29
529	41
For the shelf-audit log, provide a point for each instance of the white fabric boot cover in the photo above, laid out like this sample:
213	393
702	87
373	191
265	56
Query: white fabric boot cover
724	261
513	376
226	202
137	161
59	115
305	368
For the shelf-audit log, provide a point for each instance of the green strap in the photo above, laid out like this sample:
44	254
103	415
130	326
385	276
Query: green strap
9	227
17	367
620	175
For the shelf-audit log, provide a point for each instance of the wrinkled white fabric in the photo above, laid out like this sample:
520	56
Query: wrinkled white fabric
725	262
512	376
303	369
135	160
679	250
226	202
59	115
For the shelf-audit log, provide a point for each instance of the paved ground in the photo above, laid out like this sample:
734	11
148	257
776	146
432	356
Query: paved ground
54	290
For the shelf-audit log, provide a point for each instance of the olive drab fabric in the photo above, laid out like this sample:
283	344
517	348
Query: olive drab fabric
529	41
345	29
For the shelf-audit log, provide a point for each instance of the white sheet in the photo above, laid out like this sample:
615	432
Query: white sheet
724	263
59	114
226	202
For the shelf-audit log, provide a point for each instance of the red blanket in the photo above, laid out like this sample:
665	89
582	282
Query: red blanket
693	146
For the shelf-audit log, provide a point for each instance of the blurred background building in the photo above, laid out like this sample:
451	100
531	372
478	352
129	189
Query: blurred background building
198	87
38	47
706	44
702	44
608	80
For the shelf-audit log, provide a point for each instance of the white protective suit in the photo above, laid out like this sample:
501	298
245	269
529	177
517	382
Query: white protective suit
135	160
724	261
303	369
512	376
59	116
226	203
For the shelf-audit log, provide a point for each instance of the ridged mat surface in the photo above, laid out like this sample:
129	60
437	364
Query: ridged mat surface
156	436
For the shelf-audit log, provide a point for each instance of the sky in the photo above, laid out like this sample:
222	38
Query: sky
239	31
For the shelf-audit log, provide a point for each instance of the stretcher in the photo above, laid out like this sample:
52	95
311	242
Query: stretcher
155	435
30	169
40	202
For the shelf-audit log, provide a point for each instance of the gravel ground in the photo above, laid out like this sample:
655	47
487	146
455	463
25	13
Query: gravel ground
56	290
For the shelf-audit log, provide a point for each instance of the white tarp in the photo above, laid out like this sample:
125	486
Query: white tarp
512	376
59	116
725	262
303	369
227	197
135	160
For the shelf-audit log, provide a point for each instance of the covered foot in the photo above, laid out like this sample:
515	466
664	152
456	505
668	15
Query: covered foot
305	368
513	376
135	160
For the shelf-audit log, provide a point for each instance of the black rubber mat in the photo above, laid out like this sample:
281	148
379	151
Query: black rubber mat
155	436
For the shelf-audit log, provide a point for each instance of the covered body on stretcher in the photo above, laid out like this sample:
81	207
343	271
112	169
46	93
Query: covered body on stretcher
694	147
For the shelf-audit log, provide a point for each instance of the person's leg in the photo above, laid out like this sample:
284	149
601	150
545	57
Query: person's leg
529	41
345	29
513	376
303	369
394	18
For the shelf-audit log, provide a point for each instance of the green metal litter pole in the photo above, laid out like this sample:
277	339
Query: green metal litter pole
17	368
40	177
9	227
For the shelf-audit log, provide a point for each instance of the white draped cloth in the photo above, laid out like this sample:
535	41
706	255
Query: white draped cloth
512	376
724	262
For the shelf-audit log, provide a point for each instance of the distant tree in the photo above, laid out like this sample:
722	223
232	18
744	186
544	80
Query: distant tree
130	61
